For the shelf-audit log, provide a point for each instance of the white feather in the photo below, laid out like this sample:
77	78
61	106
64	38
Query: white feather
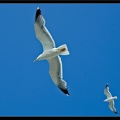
50	52
110	99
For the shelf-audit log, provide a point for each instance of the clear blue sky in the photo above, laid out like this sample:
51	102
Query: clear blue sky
92	34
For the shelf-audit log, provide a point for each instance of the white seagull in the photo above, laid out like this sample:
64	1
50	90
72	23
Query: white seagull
110	99
50	52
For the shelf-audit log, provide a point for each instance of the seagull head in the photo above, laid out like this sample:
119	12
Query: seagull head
105	100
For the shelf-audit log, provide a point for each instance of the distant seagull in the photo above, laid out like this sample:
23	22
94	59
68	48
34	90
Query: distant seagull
110	99
50	52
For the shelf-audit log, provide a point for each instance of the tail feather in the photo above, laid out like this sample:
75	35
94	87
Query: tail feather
63	49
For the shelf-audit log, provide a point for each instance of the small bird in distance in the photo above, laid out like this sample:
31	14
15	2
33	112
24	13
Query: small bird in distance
110	99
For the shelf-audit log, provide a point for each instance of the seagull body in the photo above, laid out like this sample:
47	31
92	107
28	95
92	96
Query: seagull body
110	99
50	52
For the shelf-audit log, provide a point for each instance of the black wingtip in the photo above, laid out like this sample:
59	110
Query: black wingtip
116	112
38	12
65	91
106	85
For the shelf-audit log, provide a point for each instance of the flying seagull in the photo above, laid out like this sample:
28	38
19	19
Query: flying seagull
50	52
110	99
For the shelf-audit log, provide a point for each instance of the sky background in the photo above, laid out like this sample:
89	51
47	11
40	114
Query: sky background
92	34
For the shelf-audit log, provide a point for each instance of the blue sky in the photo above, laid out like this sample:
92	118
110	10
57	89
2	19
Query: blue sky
92	34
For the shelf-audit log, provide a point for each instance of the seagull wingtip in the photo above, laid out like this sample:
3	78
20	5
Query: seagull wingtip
106	85
68	94
64	91
38	12
38	8
116	112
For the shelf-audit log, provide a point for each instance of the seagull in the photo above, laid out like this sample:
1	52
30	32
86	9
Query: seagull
110	99
50	52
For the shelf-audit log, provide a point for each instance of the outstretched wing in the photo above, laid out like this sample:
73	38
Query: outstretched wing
107	92
111	106
41	31
55	72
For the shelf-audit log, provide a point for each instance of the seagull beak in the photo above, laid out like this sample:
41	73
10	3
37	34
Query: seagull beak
35	60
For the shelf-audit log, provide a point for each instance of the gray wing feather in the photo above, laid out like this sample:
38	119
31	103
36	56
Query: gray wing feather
111	106
107	92
55	72
42	33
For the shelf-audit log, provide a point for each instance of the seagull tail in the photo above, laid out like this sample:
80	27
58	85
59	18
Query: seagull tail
63	50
